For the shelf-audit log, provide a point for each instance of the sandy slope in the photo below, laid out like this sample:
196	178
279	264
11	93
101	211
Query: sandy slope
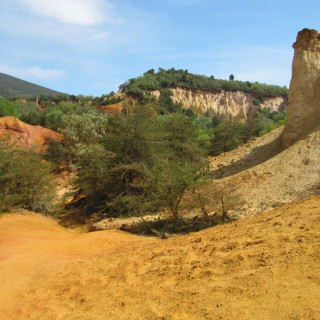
266	180
262	267
26	135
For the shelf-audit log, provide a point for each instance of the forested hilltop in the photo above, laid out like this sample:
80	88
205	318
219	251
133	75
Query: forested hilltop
172	78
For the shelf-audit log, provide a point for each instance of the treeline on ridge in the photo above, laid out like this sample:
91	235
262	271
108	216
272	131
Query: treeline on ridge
172	78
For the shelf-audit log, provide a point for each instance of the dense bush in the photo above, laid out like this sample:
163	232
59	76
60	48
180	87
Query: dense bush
131	163
228	136
24	180
265	121
50	116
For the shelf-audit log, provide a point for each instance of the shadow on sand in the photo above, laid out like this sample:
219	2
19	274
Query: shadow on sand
256	156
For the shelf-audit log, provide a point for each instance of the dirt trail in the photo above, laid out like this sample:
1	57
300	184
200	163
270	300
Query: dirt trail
262	267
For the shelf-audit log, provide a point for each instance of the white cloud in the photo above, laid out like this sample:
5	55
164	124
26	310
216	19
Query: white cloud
78	12
33	71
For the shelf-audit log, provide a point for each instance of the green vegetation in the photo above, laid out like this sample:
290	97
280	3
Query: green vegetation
228	136
165	79
24	180
131	163
106	99
151	157
14	87
50	117
266	121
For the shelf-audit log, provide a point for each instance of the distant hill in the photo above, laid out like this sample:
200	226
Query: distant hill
14	87
172	79
224	99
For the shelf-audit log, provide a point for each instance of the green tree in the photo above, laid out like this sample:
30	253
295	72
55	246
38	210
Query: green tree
125	173
171	179
228	136
9	108
79	131
113	177
24	180
166	103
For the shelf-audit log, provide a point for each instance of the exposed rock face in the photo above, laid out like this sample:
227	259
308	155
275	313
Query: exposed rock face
112	108
303	109
25	134
224	104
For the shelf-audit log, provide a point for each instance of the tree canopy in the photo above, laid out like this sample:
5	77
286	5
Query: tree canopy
172	78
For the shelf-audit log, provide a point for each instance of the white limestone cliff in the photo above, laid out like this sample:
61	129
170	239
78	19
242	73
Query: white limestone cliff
224	104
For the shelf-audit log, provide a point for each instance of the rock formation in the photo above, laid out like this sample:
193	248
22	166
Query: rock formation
223	104
111	108
25	135
303	110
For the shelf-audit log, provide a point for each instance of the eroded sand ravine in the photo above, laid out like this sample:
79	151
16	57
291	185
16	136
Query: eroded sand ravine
262	267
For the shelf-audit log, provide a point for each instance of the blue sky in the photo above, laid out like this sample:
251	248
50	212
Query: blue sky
90	47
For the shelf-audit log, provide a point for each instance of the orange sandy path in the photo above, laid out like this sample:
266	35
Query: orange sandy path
263	267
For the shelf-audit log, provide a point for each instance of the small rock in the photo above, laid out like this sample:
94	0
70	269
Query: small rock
197	240
124	227
165	236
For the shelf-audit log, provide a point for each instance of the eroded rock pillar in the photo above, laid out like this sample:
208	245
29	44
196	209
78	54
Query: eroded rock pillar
303	109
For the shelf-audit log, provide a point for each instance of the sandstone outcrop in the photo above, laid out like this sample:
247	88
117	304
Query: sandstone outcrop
303	110
25	135
224	104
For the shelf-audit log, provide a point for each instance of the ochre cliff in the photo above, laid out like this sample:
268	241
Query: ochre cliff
112	108
224	104
303	108
25	135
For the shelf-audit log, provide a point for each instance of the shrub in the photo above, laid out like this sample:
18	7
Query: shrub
24	180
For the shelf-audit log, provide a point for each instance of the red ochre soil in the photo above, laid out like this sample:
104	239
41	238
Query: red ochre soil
260	268
25	135
112	108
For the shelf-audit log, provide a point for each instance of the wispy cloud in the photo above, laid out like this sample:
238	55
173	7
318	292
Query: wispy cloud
100	35
78	12
32	71
223	63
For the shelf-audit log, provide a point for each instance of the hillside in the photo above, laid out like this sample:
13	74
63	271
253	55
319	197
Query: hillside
25	135
206	95
14	87
267	178
224	104
263	267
